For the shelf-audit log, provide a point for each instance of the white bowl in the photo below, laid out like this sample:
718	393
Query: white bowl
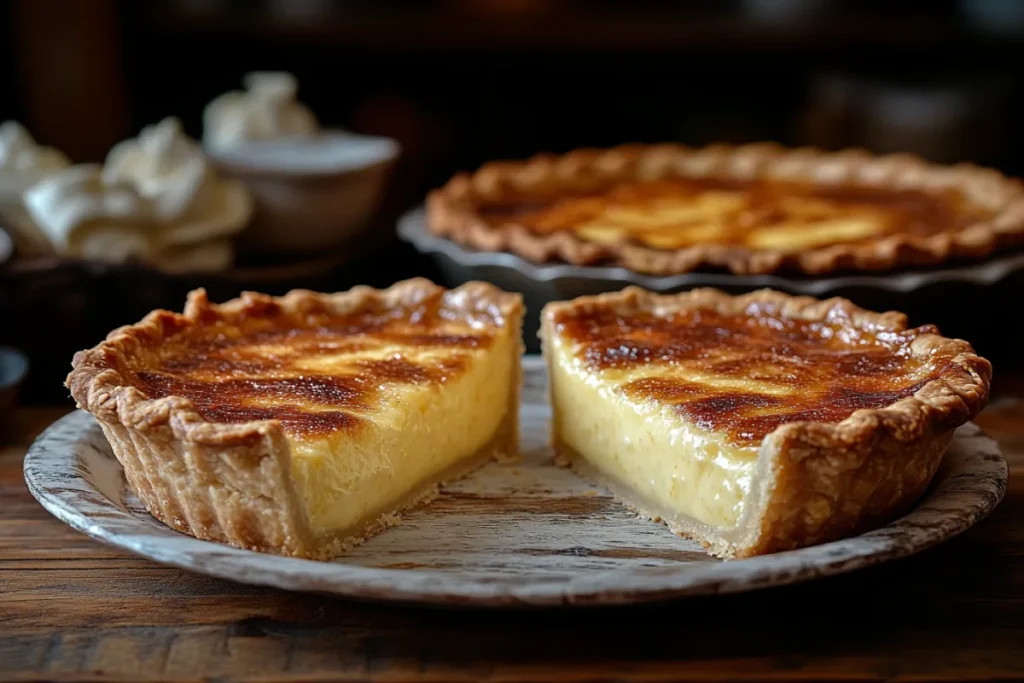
309	193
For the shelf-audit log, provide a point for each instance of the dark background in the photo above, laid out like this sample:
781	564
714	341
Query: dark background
459	82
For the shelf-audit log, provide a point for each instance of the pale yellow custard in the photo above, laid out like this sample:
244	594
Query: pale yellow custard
664	459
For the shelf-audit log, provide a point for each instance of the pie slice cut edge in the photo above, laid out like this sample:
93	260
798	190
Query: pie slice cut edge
756	423
301	425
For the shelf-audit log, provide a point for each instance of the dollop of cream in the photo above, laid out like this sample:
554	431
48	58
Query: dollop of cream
156	199
23	163
21	155
267	110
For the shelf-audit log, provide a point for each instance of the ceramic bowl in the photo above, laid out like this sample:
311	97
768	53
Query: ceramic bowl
311	193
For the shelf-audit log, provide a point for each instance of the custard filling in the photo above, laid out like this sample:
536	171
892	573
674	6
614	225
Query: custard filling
675	213
419	432
668	463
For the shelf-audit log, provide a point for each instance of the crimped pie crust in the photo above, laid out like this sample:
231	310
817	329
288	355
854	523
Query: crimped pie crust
452	210
814	482
232	482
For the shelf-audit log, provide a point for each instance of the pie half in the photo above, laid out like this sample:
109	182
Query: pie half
300	425
755	423
663	209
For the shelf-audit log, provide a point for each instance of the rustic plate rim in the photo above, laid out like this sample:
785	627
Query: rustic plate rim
977	483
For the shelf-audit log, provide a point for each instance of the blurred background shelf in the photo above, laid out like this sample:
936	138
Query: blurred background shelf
563	29
460	82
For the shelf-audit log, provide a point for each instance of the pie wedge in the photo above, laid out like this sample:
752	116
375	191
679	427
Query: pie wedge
300	425
760	208
756	423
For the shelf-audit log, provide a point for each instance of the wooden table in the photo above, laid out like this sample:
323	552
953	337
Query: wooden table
73	609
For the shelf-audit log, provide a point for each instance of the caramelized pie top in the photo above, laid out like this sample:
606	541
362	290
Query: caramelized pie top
744	374
759	214
758	208
313	369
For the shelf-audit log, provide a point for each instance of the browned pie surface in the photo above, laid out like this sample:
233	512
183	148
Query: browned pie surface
745	375
759	214
314	372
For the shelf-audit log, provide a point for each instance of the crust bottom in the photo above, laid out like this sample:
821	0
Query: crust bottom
681	525
755	534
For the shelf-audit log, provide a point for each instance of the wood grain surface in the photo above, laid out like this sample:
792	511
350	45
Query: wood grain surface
72	609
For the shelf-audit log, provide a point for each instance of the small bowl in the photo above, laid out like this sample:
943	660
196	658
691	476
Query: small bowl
310	193
13	369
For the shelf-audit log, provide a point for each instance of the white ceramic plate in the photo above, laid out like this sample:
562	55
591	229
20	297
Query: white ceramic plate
523	534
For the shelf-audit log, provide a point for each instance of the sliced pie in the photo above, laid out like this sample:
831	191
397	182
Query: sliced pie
299	425
755	423
760	208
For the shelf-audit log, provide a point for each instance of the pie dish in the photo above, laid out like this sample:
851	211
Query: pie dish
748	209
757	423
300	425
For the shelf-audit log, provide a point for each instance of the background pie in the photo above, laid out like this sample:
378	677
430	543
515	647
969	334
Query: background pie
760	208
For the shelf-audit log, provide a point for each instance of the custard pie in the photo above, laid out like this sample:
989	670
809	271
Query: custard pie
757	423
760	208
300	425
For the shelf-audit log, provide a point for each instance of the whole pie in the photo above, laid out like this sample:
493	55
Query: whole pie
663	209
755	423
300	425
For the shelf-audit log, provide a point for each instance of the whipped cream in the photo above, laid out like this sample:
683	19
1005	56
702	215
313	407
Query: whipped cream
266	110
20	155
23	162
188	196
156	199
87	218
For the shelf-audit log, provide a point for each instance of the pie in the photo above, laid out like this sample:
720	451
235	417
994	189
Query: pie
300	425
760	208
303	424
757	423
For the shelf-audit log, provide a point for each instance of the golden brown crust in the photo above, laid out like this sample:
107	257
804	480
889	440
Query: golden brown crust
452	210
232	482
817	481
